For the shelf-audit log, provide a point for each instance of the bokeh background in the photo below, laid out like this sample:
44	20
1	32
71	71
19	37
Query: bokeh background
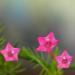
25	20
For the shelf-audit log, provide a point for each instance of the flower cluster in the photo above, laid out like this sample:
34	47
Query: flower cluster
10	53
47	44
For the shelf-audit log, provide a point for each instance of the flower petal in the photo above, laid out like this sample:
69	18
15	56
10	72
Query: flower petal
41	49
41	40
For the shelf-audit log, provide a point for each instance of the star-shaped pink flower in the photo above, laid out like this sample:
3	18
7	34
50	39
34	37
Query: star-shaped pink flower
47	43
64	60
10	53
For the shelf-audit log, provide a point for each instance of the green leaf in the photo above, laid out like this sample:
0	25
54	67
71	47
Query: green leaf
41	72
57	51
1	60
20	70
35	66
48	58
72	65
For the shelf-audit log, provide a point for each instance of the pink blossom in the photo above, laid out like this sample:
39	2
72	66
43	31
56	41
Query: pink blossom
10	53
47	43
64	60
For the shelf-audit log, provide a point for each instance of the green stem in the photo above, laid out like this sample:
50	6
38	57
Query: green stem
42	65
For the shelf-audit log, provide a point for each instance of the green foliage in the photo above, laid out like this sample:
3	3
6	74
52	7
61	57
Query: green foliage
2	36
47	67
57	51
72	66
8	68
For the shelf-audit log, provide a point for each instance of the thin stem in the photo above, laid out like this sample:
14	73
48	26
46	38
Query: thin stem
43	66
53	55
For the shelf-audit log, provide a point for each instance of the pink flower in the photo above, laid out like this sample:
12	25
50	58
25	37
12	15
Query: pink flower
64	60
10	53
47	43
